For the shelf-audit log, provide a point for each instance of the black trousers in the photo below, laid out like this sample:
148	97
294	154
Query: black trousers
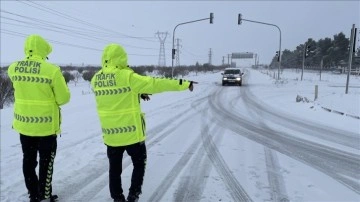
137	152
38	187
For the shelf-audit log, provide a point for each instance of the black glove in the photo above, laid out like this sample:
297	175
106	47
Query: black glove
145	97
191	86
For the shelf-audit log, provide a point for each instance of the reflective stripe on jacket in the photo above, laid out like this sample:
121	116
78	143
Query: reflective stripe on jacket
117	90
40	89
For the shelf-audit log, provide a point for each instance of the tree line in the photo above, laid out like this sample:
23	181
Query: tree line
334	53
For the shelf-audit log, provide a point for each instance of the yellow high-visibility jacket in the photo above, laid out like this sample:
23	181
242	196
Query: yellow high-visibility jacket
40	89
117	89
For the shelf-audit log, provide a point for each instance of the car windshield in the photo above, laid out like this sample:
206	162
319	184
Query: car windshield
232	71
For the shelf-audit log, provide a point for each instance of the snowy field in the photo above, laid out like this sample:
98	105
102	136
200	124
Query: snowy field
248	143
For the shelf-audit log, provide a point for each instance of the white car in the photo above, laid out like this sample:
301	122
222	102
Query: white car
232	76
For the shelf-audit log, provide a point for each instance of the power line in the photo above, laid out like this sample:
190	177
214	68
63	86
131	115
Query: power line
51	28
55	12
84	33
13	33
194	55
50	40
59	28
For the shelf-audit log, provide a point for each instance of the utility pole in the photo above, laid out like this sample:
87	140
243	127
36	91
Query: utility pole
303	61
306	54
321	65
229	55
351	52
210	56
211	18
223	60
240	19
255	60
177	56
162	37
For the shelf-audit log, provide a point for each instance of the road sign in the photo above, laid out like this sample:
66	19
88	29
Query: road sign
242	55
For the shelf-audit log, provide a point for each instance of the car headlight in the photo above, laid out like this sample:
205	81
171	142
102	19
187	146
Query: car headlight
224	78
238	79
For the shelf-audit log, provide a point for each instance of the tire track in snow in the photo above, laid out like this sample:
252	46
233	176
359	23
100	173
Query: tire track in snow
160	191
275	178
328	133
174	105
341	166
276	181
327	162
237	192
192	184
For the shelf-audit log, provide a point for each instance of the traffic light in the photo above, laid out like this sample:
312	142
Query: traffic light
173	52
211	18
278	56
354	41
307	51
239	19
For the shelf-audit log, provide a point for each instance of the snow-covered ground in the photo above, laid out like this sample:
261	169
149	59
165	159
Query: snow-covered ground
217	143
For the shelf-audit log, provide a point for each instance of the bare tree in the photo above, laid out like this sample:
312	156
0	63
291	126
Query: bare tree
76	75
68	77
6	91
87	75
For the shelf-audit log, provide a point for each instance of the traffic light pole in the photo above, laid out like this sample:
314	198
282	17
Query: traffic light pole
264	23
351	52
173	41
303	61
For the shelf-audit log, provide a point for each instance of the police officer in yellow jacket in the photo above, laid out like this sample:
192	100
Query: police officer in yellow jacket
40	89
117	89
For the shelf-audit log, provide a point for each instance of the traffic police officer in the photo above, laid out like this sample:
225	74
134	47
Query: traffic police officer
40	90
117	89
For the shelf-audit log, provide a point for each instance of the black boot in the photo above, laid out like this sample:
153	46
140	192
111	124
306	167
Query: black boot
34	199
120	199
133	198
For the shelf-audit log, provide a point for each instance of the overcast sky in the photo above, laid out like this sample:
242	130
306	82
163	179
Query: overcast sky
79	30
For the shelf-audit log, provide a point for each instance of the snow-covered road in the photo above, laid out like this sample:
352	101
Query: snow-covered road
214	144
